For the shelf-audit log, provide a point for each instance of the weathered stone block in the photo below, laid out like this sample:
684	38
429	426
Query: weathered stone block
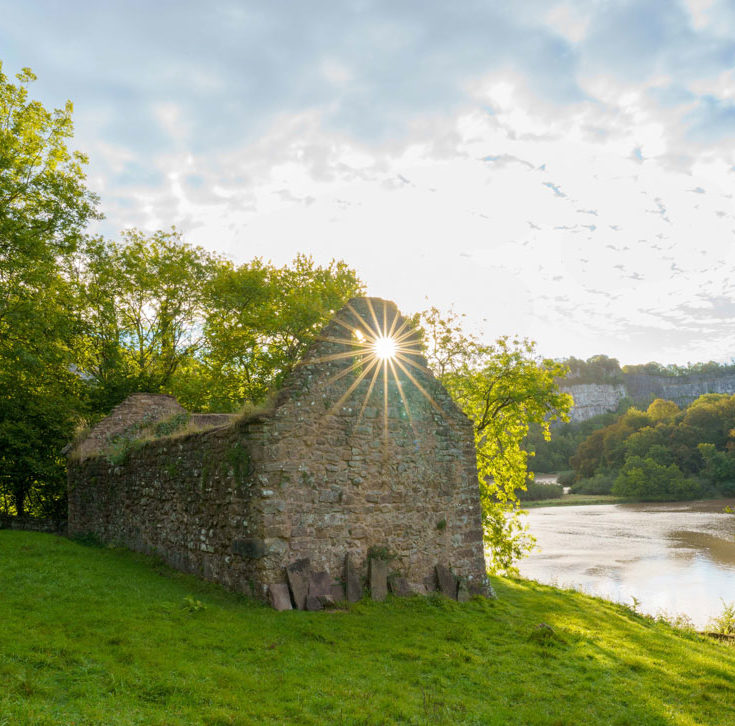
399	586
320	591
338	592
463	593
252	548
378	579
447	581
298	574
352	581
279	596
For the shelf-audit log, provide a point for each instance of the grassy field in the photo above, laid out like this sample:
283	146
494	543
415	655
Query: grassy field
572	500
101	636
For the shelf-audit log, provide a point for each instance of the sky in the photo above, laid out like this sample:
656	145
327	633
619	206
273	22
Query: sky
562	171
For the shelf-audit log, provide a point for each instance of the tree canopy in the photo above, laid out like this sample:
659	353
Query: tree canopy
503	387
44	209
663	452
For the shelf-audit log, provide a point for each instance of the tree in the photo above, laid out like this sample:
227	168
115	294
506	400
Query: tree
145	301
503	388
662	411
44	208
260	321
652	479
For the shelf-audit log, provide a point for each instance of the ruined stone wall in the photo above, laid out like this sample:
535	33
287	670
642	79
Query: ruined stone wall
187	499
135	410
356	455
401	478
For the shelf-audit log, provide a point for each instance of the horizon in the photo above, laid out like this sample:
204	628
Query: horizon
561	172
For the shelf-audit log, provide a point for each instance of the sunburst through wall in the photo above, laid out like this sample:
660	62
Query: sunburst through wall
370	341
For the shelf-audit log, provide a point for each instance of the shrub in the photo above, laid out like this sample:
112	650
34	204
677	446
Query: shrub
649	480
598	484
725	622
566	478
536	490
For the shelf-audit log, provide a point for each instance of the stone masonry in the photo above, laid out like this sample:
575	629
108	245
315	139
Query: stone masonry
356	455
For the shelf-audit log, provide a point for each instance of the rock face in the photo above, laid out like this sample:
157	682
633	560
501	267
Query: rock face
593	399
345	461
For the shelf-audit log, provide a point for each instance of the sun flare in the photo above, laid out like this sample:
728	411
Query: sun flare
383	351
385	348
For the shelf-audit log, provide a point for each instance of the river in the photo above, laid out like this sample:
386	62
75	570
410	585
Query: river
673	557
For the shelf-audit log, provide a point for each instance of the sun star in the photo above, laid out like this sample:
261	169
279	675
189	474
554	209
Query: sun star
384	348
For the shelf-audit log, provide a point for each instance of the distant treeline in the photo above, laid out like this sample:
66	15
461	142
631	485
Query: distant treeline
603	369
662	453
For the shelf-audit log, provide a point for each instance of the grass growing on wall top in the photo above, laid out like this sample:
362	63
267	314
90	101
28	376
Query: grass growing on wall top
99	636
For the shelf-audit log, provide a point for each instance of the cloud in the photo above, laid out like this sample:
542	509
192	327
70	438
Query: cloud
456	151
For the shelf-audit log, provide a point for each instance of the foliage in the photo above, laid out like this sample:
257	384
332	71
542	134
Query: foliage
651	480
554	454
600	483
597	369
260	320
710	368
536	491
662	453
565	478
98	636
724	623
164	316
44	207
503	387
144	307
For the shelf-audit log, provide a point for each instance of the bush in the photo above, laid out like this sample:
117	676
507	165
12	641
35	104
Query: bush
649	480
565	478
598	484
536	490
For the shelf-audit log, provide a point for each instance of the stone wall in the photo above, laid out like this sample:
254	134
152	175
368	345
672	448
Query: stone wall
33	524
187	499
349	459
137	410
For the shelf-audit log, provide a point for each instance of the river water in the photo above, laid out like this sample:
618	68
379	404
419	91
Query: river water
676	558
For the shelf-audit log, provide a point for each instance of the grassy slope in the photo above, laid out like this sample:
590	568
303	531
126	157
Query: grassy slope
99	636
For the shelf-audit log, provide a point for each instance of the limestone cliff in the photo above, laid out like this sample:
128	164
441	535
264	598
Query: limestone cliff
593	399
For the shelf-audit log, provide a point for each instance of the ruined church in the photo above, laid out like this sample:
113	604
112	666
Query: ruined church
363	456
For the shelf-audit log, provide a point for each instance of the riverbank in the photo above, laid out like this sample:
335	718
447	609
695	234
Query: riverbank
94	635
574	500
676	558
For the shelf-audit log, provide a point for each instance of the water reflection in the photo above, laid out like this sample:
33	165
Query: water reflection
674	557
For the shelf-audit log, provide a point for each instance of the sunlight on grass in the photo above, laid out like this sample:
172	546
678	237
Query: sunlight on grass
94	635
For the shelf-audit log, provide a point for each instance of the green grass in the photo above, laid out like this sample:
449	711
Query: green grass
574	500
100	636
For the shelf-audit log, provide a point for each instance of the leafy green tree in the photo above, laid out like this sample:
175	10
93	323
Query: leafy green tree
260	320
503	387
719	467
44	208
588	458
662	411
651	480
145	301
